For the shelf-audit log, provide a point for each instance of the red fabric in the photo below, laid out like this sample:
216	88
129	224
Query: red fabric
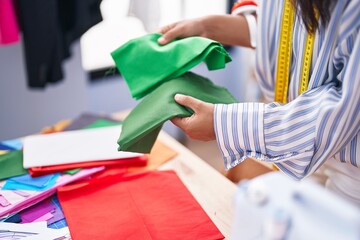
125	162
242	3
151	205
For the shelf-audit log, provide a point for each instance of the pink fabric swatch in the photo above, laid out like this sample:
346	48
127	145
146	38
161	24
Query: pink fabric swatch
3	201
39	196
9	30
37	211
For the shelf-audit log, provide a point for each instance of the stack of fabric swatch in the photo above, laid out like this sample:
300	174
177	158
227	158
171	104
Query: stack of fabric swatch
81	210
156	73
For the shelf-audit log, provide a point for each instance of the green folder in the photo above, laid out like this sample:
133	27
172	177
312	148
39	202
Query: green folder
142	126
145	64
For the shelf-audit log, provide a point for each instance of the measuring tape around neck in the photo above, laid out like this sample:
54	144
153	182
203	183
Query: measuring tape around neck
284	56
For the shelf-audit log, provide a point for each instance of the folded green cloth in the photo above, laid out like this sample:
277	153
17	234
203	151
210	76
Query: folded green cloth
142	126
145	64
11	164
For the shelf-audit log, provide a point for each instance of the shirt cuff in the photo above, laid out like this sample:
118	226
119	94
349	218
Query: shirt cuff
252	24
239	132
247	8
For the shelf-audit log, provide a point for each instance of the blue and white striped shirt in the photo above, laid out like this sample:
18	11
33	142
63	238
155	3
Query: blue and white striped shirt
323	122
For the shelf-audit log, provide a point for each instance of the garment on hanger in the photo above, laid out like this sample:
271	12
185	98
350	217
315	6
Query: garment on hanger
9	30
142	126
145	64
149	12
48	36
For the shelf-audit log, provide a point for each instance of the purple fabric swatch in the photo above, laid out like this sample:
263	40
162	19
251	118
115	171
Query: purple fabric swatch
58	215
37	211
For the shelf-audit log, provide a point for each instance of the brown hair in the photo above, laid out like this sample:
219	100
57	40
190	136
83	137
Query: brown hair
307	10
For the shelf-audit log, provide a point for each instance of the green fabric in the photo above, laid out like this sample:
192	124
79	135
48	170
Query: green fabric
145	64
142	126
11	164
73	171
101	123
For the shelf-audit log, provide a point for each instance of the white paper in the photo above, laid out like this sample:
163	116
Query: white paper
48	233
10	231
73	147
31	231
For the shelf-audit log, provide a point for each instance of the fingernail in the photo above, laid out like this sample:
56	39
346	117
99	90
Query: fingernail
178	97
161	40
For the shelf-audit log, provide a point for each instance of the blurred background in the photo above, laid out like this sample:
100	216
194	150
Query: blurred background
87	82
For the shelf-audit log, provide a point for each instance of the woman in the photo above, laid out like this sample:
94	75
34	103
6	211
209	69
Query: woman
302	129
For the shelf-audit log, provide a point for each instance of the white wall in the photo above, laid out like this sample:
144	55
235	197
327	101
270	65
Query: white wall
25	111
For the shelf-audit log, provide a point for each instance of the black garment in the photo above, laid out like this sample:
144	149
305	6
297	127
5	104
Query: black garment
49	27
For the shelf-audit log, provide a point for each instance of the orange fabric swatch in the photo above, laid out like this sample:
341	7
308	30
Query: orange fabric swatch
58	127
159	155
151	205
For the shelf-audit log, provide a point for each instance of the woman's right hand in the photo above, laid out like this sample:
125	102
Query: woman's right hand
226	29
182	29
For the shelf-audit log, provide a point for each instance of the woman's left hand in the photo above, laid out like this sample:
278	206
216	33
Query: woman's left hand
200	125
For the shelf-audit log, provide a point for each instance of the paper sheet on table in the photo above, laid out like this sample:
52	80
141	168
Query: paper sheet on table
53	234
73	147
18	231
31	231
151	205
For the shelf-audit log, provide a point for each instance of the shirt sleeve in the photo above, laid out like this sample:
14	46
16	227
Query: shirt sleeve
247	8
298	136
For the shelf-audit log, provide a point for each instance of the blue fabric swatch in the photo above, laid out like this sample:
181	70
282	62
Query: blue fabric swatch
59	224
36	182
5	147
15	144
13	185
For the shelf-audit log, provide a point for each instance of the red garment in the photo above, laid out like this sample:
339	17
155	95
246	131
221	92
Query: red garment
243	5
124	162
151	205
9	30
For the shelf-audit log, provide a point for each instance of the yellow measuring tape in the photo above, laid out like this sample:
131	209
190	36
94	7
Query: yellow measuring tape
306	64
284	56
